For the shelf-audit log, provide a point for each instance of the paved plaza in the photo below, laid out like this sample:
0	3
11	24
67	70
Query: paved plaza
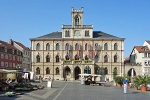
65	90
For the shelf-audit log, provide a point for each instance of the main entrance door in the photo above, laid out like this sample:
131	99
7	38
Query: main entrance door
77	71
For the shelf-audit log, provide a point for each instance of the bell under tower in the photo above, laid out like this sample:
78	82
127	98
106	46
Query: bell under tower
77	17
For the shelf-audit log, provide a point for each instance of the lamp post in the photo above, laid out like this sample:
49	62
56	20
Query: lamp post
17	67
124	66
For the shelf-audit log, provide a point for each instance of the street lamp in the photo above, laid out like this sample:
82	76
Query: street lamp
124	66
17	67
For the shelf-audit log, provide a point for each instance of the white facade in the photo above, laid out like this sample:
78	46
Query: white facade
146	59
77	50
136	56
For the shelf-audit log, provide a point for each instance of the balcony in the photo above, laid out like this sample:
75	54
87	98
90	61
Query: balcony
77	61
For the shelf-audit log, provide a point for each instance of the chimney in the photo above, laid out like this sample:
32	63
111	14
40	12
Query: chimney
11	41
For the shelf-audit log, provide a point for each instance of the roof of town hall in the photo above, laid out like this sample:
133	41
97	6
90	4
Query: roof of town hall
96	35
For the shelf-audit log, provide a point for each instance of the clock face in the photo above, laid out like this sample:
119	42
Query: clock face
77	33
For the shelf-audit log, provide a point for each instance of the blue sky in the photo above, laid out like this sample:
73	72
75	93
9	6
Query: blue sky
21	20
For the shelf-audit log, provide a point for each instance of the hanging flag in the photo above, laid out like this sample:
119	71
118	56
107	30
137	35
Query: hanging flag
67	49
88	51
95	52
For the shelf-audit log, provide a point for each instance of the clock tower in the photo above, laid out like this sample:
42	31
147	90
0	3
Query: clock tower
77	17
77	29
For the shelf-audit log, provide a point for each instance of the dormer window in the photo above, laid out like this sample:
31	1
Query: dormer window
17	52
5	49
13	51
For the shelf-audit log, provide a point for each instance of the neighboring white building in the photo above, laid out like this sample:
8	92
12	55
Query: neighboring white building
140	55
26	60
136	55
146	58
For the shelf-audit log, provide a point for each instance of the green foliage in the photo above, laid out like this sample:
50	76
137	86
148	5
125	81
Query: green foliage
128	78
119	79
76	61
67	61
86	61
114	73
141	80
10	93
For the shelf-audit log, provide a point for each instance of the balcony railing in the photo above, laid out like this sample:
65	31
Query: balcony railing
78	61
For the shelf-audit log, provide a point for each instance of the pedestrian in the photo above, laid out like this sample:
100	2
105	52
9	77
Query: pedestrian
125	81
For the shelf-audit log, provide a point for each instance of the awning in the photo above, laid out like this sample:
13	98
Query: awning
85	74
9	71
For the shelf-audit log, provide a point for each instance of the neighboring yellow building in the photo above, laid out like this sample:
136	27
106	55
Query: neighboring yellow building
77	49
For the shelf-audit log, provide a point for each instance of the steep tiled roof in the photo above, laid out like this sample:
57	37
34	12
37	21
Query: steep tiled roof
140	48
148	41
7	45
21	45
96	35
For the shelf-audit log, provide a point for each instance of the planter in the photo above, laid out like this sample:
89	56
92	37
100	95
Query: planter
119	85
128	86
135	88
143	88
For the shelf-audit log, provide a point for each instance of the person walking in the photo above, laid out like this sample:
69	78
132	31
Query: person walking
125	81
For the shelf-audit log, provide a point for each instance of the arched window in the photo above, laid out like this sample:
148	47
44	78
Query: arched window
115	46
47	58
57	58
86	46
96	46
115	58
115	71
47	70
57	46
106	71
47	46
37	71
37	58
57	71
38	46
67	49
105	58
87	70
105	46
77	21
76	57
86	57
77	46
102	71
67	57
97	70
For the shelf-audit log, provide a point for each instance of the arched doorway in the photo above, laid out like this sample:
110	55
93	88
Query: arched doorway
67	73
77	71
131	72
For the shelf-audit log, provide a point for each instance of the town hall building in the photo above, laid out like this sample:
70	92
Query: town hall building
76	50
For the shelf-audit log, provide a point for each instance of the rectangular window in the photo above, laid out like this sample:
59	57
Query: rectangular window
6	64
2	64
6	56
13	57
10	57
86	33
13	51
14	65
2	56
148	54
145	54
10	64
